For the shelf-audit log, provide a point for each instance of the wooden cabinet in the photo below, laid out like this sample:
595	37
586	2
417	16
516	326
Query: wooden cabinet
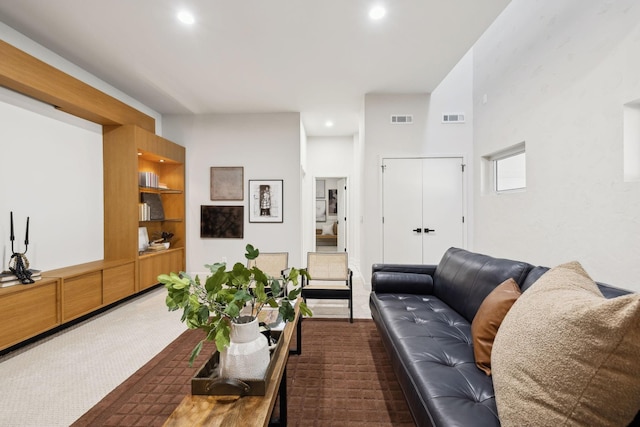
118	282
28	310
152	265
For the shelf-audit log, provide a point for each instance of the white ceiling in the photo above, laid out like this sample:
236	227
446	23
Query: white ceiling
316	57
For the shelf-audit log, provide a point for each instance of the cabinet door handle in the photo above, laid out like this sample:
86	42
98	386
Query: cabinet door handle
417	230
427	230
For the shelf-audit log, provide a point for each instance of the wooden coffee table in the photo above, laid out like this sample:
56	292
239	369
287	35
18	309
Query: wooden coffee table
246	411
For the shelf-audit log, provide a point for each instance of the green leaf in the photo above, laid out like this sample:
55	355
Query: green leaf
252	253
293	294
276	288
304	310
287	311
223	336
196	351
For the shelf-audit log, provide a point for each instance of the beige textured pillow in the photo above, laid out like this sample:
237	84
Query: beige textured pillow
488	319
565	355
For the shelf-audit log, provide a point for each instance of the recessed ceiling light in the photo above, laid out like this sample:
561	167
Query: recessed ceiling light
328	123
377	12
186	17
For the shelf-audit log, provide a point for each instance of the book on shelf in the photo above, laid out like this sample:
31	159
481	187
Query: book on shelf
144	212
155	204
7	276
9	279
148	179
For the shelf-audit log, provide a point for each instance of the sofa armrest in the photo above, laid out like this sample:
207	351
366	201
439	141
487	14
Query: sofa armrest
405	268
401	282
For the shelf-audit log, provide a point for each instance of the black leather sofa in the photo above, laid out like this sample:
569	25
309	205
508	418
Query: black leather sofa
424	315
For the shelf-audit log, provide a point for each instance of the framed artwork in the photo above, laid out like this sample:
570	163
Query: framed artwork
222	222
265	200
333	202
320	188
321	210
227	183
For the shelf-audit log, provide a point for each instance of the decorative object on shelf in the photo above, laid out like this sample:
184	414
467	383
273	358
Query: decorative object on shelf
222	222
265	200
320	188
230	297
143	239
227	183
321	210
155	206
19	264
161	242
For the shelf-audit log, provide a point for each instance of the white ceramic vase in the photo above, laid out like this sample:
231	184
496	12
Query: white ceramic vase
247	356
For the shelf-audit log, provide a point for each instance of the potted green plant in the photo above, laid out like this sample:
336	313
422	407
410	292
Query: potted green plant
229	297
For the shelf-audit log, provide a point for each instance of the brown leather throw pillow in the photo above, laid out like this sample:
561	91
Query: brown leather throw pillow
488	319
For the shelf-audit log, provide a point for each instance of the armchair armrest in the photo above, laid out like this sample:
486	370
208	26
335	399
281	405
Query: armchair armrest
402	278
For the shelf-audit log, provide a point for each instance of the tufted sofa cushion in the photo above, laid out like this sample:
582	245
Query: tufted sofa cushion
435	364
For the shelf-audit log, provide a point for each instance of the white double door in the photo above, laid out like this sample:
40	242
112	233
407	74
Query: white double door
423	208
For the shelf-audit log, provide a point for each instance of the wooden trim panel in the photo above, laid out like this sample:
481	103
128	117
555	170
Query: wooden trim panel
30	76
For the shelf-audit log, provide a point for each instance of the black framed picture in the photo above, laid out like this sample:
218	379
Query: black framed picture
333	202
265	200
222	222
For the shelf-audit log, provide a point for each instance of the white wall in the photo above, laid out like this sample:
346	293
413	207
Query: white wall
455	95
268	147
428	136
51	172
383	139
556	75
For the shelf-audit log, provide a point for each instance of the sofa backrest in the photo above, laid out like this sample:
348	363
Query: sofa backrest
608	291
463	279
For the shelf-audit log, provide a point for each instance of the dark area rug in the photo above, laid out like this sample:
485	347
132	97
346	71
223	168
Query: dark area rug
342	378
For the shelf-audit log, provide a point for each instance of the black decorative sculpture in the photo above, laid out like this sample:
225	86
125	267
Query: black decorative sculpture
19	264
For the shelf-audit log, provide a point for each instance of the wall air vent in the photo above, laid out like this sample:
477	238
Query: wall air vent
402	120
452	117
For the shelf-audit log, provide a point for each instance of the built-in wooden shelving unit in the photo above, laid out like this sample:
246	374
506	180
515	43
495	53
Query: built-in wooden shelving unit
69	293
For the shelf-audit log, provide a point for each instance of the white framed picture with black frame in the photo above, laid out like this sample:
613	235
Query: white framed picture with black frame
266	200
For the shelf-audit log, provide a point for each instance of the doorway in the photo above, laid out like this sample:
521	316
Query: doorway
331	214
423	209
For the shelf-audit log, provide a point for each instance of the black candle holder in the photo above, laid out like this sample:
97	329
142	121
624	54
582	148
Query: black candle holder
19	264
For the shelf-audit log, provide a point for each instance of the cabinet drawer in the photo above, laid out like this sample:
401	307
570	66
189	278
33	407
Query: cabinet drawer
118	283
28	312
81	295
153	265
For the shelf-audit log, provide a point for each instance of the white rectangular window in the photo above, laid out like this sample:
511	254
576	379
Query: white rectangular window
510	172
505	170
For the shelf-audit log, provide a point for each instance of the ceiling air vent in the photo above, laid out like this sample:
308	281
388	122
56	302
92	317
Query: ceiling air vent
452	117
402	120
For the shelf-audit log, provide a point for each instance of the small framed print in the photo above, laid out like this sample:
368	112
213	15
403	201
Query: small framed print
265	200
321	210
227	183
320	188
222	222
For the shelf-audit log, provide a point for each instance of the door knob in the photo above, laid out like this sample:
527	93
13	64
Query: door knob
417	230
427	230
